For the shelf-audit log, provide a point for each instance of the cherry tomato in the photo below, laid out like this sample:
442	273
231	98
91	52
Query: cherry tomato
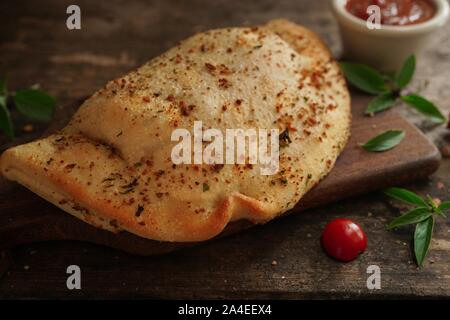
343	239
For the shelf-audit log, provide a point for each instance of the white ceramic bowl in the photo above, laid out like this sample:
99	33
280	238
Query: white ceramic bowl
385	48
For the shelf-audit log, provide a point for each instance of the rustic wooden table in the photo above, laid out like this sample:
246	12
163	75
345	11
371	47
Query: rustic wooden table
36	47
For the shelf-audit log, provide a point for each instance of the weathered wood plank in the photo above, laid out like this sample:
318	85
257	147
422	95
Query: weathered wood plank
36	47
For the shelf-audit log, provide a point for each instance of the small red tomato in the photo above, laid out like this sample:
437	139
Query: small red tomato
343	239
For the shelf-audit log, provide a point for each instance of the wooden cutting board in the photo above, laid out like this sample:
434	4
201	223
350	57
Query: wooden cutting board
26	218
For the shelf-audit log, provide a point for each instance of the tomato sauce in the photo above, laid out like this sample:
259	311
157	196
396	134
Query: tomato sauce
394	12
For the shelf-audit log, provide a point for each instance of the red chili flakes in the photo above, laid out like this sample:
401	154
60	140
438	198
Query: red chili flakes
238	102
170	98
223	70
159	173
313	106
240	42
311	121
331	106
224	83
186	110
70	166
317	79
77	207
178	59
210	67
291	127
139	210
217	167
146	99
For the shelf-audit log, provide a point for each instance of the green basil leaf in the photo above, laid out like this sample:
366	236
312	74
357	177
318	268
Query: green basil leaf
422	239
385	141
405	196
364	77
3	101
444	206
35	104
424	106
5	119
411	217
380	103
406	73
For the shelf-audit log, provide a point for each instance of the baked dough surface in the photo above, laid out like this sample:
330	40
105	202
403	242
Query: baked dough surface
111	165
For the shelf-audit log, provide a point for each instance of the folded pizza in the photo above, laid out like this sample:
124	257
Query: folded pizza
112	166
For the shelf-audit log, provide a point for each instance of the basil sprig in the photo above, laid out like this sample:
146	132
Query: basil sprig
364	77
387	89
404	77
385	141
32	103
423	216
424	106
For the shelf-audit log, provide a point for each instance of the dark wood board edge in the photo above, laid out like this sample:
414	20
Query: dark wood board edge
69	228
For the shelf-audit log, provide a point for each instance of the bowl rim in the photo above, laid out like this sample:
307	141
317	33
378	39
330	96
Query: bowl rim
439	19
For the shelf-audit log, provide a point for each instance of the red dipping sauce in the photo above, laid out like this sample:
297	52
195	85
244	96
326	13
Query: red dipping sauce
394	12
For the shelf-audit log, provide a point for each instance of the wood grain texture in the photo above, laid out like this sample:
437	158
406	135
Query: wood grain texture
118	35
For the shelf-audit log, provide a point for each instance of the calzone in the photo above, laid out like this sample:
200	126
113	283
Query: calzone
111	166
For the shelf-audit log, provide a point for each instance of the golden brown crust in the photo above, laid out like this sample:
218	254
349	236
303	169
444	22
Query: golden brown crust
111	165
